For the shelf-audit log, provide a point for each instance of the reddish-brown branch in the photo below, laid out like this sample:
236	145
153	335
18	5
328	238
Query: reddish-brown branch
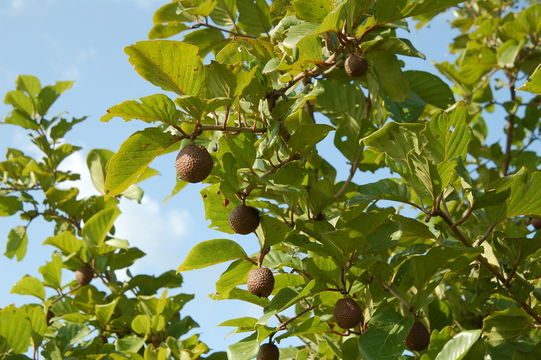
484	262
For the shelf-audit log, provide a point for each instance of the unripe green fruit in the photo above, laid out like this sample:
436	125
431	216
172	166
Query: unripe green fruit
84	275
244	219
418	337
355	65
347	313
268	352
260	282
193	163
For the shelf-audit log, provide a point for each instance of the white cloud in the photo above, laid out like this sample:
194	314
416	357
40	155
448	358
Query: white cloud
18	6
72	69
156	230
76	163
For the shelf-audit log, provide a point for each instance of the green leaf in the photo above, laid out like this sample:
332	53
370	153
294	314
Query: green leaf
459	345
212	252
105	311
505	325
308	135
533	84
132	159
430	88
392	10
217	210
17	243
96	228
508	52
20	101
141	324
520	192
19	118
52	272
389	73
206	40
254	16
28	83
385	189
9	205
312	10
163	31
130	343
66	242
385	341
236	274
149	109
448	135
16	330
172	65
96	161
50	93
395	139
29	285
245	349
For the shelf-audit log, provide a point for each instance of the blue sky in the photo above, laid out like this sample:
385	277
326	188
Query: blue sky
83	41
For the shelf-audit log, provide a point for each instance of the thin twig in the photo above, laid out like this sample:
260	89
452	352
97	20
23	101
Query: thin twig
352	171
465	217
510	128
231	128
395	293
284	324
467	242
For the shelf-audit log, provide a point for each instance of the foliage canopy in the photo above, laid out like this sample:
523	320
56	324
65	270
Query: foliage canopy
443	241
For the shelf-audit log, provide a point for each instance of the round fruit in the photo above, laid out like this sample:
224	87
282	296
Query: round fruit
49	316
347	313
418	337
268	352
84	275
244	219
260	282
536	222
194	163
355	65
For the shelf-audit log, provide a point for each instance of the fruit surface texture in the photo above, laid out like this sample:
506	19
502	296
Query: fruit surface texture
244	219
84	275
260	282
268	352
347	313
193	163
355	65
418	337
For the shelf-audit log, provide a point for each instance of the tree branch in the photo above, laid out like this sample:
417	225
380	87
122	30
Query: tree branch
231	128
352	171
467	242
395	293
510	127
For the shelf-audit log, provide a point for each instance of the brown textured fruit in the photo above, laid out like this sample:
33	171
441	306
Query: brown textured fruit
347	313
49	316
84	275
418	337
193	163
268	352
244	219
355	65
260	282
536	222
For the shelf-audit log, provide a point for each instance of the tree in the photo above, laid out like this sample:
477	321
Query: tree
443	248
